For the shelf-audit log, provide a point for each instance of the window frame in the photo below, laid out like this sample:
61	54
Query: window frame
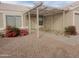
42	20
15	20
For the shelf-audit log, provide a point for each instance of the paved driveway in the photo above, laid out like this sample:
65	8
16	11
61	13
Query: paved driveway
48	45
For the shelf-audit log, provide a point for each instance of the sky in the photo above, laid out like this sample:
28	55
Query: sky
48	3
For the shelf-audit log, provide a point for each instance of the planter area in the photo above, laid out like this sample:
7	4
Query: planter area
14	32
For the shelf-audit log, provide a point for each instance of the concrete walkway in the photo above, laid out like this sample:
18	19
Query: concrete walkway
48	45
71	40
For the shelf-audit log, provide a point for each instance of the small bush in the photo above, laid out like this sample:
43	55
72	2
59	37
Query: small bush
16	30
23	32
1	35
70	30
12	31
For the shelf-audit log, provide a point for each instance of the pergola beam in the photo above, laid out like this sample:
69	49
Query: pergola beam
35	7
40	10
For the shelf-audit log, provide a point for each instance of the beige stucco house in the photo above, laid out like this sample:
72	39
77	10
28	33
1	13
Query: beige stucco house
39	17
13	15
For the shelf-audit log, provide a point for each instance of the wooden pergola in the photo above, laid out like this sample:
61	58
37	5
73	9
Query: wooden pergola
41	9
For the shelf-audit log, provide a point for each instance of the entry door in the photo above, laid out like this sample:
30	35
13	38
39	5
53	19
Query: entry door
77	21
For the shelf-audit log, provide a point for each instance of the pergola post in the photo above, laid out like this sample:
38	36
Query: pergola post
63	19
37	17
73	18
29	22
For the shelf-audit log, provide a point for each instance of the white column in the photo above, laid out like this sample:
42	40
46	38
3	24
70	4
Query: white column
73	18
22	16
29	22
37	23
4	20
63	20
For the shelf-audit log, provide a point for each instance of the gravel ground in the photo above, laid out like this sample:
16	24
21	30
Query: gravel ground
47	46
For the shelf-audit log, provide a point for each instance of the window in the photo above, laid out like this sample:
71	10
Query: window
41	20
14	21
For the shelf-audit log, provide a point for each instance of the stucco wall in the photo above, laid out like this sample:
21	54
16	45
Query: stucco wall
53	22
12	9
1	20
68	18
47	23
33	22
14	13
25	21
76	18
77	22
56	22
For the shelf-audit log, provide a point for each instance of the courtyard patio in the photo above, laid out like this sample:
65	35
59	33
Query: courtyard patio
47	45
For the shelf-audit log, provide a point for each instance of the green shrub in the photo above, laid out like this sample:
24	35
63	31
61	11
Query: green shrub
12	31
70	30
16	30
1	35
